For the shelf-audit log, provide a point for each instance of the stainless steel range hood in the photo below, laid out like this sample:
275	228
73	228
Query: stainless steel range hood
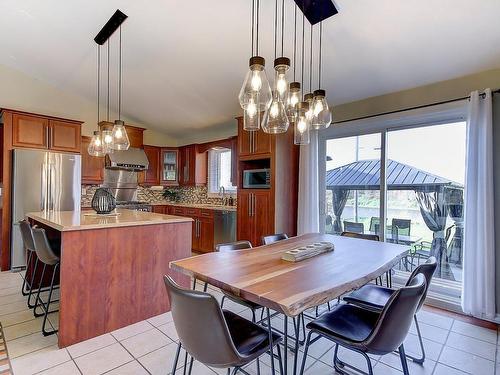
133	159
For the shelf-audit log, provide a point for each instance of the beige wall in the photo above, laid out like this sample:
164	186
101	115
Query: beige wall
22	92
433	93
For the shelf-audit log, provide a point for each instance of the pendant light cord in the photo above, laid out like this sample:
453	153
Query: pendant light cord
107	115
294	41
98	83
303	39
120	78
257	31
253	25
275	27
282	26
311	61
320	50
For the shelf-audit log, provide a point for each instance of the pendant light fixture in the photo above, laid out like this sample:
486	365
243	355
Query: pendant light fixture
322	115
119	134
255	94
106	133
294	94
95	147
275	119
309	97
302	124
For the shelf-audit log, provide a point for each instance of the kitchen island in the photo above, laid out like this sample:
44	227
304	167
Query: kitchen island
112	267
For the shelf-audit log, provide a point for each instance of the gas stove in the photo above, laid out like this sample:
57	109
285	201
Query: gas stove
135	205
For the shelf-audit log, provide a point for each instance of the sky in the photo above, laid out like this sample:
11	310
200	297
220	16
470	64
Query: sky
437	149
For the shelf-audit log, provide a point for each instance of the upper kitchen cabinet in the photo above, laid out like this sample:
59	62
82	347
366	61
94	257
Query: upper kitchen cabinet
135	134
253	144
152	174
38	131
169	166
193	166
92	166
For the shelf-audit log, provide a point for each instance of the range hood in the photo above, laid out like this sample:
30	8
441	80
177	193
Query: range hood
133	159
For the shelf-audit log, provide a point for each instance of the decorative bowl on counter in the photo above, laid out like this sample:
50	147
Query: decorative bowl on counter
103	201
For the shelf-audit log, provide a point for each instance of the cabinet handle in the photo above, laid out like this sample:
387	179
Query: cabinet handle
249	205
253	204
197	228
48	136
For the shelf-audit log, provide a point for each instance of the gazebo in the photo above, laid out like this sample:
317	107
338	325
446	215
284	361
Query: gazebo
437	197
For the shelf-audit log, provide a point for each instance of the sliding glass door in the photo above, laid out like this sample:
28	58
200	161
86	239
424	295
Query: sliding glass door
401	176
352	201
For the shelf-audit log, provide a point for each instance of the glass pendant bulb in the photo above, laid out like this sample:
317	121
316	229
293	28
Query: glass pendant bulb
251	114
302	125
281	66
256	86
120	137
275	119
309	98
96	147
322	116
107	141
293	100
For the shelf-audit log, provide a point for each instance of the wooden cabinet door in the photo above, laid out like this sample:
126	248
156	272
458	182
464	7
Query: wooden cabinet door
29	131
152	174
135	136
261	211
262	143
195	239
244	140
245	222
205	234
188	165
169	166
92	166
64	136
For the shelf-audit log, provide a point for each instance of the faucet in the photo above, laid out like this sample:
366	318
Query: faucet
222	193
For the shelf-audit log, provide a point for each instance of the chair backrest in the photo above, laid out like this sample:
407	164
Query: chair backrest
374	224
371	237
427	269
201	326
27	235
350	226
43	249
402	226
395	319
229	246
266	240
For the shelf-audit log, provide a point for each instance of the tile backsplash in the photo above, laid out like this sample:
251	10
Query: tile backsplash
186	194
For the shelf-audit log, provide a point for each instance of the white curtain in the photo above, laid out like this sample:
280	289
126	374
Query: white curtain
308	209
478	289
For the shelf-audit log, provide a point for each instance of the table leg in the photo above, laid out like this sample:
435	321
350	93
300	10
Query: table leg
296	354
270	339
285	349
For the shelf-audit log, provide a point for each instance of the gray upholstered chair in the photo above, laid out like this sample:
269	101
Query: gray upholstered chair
370	332
351	226
266	240
216	337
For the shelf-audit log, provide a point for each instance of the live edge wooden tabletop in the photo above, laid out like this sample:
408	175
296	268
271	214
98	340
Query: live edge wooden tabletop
261	276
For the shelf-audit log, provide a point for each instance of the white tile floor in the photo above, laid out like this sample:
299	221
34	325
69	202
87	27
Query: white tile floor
148	347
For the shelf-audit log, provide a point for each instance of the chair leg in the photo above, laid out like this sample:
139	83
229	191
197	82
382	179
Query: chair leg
280	359
306	350
222	301
30	304
404	363
339	365
194	283
176	359
25	291
422	358
47	308
191	366
38	293
205	287
235	370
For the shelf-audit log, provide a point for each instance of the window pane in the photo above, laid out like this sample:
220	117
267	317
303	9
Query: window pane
353	184
425	181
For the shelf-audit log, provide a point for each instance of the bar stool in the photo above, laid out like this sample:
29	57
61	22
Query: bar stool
28	288
46	255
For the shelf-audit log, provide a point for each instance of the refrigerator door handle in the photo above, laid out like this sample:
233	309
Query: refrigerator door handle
51	186
43	187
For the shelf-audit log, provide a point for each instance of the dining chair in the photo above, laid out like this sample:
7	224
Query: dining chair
369	332
370	237
350	226
266	240
231	246
216	337
373	297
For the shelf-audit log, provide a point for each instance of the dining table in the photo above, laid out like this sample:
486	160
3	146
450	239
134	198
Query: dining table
260	275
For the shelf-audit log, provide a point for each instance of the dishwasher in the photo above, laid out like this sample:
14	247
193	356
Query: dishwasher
224	226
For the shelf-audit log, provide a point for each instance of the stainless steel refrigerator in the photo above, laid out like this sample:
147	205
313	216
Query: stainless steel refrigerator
42	181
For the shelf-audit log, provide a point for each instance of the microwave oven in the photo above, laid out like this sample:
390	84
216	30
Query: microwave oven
257	178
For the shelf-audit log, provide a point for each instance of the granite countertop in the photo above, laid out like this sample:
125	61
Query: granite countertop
196	205
82	220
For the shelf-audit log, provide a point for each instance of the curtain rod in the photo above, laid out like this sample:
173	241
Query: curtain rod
482	95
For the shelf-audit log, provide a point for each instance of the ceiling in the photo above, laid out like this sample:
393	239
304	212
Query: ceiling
184	61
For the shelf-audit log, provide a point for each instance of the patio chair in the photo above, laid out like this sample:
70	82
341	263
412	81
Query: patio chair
422	249
374	224
351	226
